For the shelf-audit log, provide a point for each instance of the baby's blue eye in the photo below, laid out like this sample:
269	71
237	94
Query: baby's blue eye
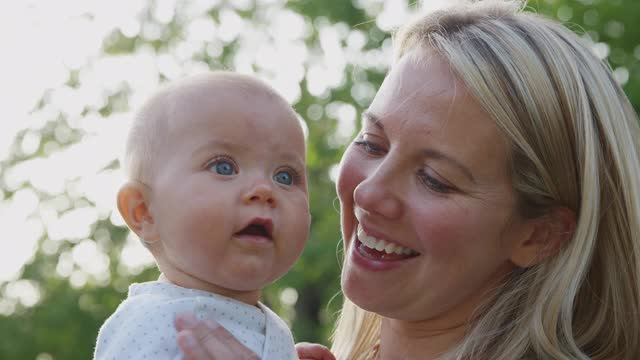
283	177
223	167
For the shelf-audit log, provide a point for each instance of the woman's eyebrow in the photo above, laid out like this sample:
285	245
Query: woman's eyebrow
437	155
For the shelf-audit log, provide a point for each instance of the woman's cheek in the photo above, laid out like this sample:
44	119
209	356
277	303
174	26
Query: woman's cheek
443	229
350	174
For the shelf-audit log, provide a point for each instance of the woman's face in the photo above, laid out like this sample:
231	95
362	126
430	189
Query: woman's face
427	205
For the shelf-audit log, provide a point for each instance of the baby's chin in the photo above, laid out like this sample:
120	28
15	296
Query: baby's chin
240	279
250	283
249	275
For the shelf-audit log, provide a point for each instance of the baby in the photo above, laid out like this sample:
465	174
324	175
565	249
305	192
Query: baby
217	192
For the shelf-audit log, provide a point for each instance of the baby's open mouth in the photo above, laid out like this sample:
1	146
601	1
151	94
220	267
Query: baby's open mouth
258	227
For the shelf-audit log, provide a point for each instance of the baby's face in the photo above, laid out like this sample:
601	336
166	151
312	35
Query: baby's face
229	195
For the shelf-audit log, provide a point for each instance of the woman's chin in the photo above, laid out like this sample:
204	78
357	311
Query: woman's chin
364	293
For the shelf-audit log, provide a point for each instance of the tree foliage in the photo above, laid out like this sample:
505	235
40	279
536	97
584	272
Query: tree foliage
344	57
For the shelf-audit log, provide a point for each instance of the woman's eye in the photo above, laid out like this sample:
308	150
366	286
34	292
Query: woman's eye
434	184
284	177
222	167
369	147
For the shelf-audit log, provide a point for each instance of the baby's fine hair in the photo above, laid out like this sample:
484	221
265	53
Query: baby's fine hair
151	122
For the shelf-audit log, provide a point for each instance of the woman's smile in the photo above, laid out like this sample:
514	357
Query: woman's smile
387	250
378	254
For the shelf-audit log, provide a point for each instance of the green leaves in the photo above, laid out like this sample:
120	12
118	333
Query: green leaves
329	68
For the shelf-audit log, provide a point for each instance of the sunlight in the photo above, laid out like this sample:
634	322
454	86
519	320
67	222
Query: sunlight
289	296
89	259
73	225
25	231
345	114
134	257
26	292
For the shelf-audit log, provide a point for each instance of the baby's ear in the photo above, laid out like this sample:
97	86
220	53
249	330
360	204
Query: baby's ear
547	236
133	204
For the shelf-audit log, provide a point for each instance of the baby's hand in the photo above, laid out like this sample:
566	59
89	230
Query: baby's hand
309	351
207	340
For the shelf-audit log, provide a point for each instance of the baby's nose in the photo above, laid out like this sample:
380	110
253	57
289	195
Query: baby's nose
260	193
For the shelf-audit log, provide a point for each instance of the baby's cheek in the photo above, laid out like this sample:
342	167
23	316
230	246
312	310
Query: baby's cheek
206	227
300	235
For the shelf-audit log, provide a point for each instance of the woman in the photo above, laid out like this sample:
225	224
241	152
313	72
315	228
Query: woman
490	205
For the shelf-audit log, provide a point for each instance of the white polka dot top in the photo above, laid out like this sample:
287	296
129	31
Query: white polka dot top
142	326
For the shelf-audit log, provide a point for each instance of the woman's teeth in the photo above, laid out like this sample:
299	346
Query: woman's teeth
381	245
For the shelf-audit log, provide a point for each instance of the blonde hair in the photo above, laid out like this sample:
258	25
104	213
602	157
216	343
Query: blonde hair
574	143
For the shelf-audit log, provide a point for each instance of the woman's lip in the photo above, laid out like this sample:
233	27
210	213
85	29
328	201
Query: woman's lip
360	258
373	233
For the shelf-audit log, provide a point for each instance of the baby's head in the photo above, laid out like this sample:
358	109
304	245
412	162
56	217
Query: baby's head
217	188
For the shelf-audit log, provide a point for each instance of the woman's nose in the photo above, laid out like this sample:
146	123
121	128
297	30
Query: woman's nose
376	195
260	192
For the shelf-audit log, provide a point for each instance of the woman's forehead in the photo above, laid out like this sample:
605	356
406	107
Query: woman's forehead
424	86
417	89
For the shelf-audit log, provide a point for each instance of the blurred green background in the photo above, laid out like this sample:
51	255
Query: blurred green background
60	169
